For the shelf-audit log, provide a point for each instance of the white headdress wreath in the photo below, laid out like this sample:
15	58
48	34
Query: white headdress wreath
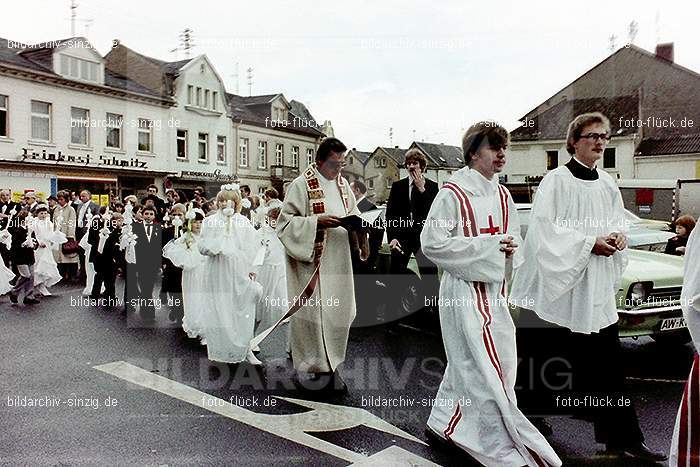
231	187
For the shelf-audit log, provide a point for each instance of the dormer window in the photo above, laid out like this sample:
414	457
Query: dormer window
78	68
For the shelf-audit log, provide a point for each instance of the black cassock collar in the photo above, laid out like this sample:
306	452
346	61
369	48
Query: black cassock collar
579	170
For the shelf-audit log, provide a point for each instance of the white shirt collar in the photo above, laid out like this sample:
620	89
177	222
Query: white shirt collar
360	199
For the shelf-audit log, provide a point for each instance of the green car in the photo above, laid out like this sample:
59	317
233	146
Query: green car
648	302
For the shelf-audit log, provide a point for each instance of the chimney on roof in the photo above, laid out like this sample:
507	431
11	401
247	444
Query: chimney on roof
665	51
354	149
396	147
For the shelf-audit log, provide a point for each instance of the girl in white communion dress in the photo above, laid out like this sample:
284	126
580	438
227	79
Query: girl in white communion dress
230	292
184	253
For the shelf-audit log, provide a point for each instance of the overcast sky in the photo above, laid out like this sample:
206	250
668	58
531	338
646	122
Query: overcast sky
433	67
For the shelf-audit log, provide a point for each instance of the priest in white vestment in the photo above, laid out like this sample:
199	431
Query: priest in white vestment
685	446
309	228
574	256
470	231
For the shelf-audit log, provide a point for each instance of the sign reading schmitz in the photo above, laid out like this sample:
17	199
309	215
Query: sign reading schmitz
215	175
59	158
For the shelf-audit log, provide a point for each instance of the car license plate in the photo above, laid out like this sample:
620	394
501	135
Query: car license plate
669	324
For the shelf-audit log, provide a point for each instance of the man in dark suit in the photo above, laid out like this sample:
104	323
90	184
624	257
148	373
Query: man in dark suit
376	235
154	200
31	202
245	194
6	207
407	208
149	255
106	262
85	212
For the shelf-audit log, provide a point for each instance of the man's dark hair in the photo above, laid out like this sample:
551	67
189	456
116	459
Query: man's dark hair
152	186
327	146
148	208
362	188
245	188
416	155
480	133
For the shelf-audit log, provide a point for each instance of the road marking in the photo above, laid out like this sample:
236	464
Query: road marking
658	380
395	455
322	417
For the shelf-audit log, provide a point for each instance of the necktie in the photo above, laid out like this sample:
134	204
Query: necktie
414	198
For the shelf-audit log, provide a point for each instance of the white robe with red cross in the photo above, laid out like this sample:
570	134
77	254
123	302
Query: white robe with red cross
475	407
685	446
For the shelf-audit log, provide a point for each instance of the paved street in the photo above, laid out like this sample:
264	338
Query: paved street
96	410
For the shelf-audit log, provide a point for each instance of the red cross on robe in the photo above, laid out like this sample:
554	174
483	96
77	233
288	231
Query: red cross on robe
493	229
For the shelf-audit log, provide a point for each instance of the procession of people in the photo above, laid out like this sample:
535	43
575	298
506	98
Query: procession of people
232	268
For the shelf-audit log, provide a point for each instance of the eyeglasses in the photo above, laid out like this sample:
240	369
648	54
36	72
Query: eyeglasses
335	165
595	136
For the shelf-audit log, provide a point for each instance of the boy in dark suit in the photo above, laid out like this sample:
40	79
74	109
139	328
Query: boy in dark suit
149	256
106	262
22	255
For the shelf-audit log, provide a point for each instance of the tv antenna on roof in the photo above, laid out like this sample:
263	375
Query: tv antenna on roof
73	14
632	31
186	41
235	76
249	75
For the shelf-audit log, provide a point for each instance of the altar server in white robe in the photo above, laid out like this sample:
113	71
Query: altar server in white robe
471	230
309	228
574	256
272	273
685	446
230	243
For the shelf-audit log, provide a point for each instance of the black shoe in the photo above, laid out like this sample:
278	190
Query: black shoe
31	301
438	442
542	425
639	451
337	385
13	297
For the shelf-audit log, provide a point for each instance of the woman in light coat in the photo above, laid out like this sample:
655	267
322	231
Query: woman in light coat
65	220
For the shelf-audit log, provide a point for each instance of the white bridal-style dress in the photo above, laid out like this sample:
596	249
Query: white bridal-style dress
230	244
45	269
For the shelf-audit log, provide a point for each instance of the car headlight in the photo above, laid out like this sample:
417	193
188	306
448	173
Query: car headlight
639	292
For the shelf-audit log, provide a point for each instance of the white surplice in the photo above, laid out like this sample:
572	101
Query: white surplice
320	329
476	406
561	280
273	278
228	319
685	445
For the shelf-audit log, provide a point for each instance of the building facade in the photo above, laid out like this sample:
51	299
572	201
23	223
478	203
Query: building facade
72	119
654	133
66	117
276	140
